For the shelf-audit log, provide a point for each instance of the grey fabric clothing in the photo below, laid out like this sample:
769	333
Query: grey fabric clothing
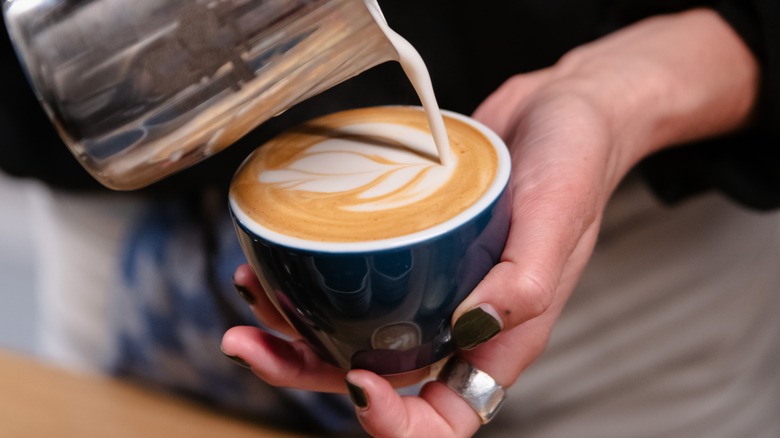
672	332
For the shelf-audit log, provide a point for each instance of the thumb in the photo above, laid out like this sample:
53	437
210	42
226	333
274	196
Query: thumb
534	277
382	411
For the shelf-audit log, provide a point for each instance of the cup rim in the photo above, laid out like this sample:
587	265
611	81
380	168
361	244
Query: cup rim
491	195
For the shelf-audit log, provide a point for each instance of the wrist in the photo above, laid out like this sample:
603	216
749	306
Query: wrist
664	81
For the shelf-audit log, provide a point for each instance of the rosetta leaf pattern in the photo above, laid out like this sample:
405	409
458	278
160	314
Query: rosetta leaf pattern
379	177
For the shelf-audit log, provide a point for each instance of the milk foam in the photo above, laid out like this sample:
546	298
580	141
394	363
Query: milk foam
365	175
381	178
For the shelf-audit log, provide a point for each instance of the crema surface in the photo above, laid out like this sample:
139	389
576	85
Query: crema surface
364	174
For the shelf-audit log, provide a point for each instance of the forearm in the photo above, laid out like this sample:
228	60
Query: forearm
665	81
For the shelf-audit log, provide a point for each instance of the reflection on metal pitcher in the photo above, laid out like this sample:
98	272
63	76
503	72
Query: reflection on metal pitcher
139	90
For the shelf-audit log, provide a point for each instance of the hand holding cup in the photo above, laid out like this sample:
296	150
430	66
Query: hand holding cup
363	241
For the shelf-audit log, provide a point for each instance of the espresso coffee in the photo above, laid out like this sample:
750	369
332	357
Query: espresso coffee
362	175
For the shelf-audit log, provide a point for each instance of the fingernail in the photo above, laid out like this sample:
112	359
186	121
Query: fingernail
238	360
357	394
245	294
475	327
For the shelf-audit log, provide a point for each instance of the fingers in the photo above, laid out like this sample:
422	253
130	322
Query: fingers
526	315
280	362
248	286
538	264
562	177
437	411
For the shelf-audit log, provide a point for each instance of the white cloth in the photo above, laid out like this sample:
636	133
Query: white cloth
77	243
674	330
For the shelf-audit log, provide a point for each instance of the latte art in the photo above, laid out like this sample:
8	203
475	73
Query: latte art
358	160
365	174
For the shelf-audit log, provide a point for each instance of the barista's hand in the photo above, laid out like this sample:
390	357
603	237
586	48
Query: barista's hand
574	131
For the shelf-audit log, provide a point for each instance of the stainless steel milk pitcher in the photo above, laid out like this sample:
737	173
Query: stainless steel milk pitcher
141	89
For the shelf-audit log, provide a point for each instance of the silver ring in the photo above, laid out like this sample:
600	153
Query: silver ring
476	387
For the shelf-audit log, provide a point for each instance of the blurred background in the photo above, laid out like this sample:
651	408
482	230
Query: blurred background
17	272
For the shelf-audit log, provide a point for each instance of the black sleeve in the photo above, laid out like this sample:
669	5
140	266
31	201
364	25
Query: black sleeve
745	165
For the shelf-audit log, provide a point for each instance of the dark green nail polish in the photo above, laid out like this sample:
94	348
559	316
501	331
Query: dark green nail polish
245	294
474	327
358	395
238	360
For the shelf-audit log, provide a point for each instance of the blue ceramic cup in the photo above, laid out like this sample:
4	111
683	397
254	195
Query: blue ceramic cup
383	305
